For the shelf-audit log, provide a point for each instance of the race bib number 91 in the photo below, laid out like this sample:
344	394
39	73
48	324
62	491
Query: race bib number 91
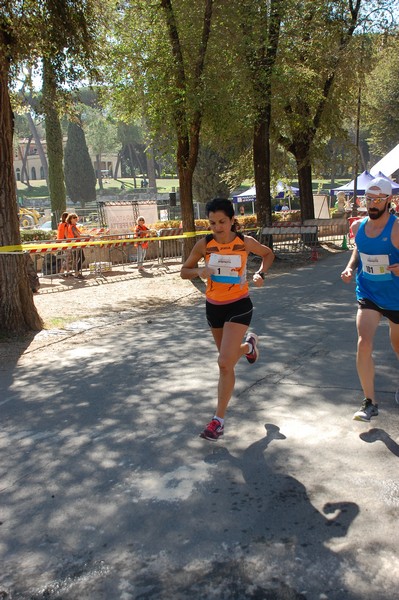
374	266
226	267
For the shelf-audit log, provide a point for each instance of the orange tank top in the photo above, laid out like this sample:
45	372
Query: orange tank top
73	232
62	231
229	261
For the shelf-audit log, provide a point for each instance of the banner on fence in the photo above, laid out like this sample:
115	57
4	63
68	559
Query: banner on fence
320	203
121	218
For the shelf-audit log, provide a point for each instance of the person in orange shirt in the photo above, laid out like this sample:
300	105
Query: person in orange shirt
141	231
62	235
73	233
63	227
228	305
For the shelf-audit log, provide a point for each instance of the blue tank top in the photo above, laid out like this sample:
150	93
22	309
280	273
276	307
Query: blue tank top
373	281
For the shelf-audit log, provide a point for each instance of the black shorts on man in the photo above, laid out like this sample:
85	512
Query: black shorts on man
392	315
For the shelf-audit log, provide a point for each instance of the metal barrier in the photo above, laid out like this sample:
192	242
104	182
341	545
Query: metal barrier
330	230
172	248
290	239
101	253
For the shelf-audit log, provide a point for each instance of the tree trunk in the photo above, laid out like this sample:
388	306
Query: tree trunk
151	167
132	167
99	174
117	166
131	152
39	146
261	158
305	186
186	200
18	313
24	168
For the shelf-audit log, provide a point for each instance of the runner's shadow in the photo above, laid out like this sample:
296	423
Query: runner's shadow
379	435
276	506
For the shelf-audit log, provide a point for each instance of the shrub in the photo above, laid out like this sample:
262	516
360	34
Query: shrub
173	224
33	235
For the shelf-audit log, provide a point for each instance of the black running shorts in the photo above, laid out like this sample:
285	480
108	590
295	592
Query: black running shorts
235	312
392	315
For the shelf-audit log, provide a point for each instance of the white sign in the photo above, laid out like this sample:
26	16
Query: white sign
320	203
121	218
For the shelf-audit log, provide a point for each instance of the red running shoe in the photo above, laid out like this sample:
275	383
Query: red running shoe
253	356
213	431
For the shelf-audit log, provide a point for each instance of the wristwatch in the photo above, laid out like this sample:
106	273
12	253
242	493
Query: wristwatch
261	274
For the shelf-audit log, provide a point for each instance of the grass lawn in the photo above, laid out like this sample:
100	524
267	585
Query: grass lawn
40	189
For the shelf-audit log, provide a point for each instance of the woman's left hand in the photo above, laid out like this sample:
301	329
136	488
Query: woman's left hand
258	280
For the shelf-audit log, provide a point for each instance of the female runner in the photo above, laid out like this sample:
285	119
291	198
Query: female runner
228	305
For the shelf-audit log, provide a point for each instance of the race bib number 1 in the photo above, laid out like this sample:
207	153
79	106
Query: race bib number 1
226	266
374	266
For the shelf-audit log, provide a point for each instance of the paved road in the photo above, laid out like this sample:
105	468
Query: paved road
106	492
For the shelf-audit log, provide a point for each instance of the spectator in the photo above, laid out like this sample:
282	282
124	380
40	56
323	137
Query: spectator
62	235
78	255
63	227
141	231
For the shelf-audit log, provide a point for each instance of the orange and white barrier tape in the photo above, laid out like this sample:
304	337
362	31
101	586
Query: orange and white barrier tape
56	246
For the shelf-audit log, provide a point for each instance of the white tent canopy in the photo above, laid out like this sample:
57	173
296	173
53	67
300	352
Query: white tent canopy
280	190
249	194
388	164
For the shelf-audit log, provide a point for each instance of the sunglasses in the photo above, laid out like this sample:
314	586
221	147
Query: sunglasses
376	200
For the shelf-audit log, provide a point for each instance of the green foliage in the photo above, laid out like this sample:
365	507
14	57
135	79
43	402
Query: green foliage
33	235
101	131
380	98
208	178
80	178
63	31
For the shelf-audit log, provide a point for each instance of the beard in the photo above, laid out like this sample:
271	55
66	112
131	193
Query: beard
375	213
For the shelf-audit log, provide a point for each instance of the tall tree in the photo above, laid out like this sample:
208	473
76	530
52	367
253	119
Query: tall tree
80	178
165	74
24	37
54	139
318	69
260	25
208	180
187	126
101	136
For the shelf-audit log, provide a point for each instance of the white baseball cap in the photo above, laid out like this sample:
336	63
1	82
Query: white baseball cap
379	185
